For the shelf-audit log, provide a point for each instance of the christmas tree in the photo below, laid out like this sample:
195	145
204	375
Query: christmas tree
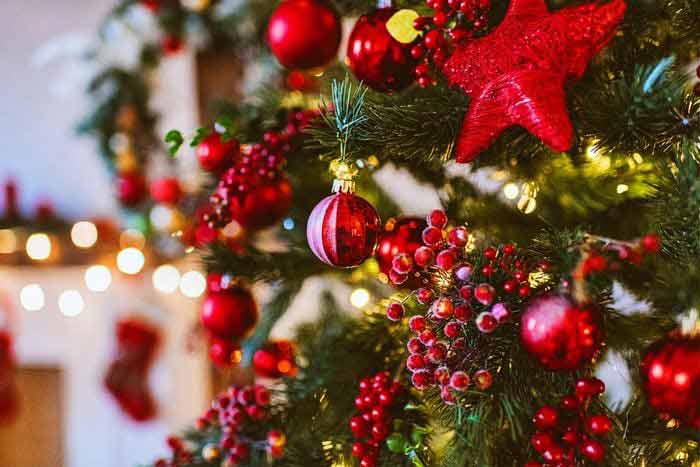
563	140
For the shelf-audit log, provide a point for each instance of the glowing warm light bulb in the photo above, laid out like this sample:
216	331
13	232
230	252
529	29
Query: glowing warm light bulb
8	241
32	297
359	298
166	278
71	303
192	284
98	278
38	246
130	260
511	190
84	234
622	188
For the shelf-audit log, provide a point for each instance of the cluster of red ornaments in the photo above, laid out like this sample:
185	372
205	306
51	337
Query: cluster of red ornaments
459	294
253	189
376	402
240	415
127	376
275	359
564	432
229	313
452	23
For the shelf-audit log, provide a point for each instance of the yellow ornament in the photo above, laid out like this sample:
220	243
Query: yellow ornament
211	452
126	162
400	26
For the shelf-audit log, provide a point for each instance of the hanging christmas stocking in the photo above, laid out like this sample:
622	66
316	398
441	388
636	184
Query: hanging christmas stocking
127	376
9	397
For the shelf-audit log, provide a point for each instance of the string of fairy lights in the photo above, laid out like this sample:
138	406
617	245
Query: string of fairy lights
129	258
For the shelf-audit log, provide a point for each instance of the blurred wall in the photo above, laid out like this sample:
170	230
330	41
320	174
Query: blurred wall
39	146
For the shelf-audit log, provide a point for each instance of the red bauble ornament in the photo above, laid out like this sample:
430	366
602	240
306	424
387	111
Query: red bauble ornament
342	230
224	353
166	190
214	154
229	314
263	206
671	377
304	34
516	75
560	335
400	237
275	359
127	377
375	57
131	188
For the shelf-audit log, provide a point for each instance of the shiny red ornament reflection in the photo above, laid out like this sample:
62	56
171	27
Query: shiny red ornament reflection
275	359
304	34
375	57
342	230
560	335
516	75
262	206
229	314
402	236
671	377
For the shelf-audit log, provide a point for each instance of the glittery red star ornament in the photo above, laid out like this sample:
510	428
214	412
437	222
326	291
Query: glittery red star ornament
516	75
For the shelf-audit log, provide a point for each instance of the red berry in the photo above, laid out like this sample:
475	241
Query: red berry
424	296
386	398
508	249
416	323
262	396
524	291
486	322
358	426
458	237
483	380
501	312
569	403
446	259
452	329
440	19
432	40
459	381
463	312
442	308
437	218
464	272
484	294
487	270
599	425
592	449
425	256
432	236
397	278
466	292
368	461
570	436
490	253
553	454
651	243
377	414
415	362
359	403
415	346
589	387
546	418
240	451
417	51
421	379
395	311
509	286
402	264
358	449
447	395
437	353
442	375
541	441
213	153
246	396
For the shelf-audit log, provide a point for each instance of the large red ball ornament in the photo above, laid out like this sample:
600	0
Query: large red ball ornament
304	34
274	360
402	236
214	154
375	57
166	190
263	205
671	377
229	314
131	188
560	335
342	230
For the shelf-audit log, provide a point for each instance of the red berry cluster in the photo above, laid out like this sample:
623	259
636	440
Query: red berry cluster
238	412
484	288
180	454
258	165
564	431
453	22
607	257
377	400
